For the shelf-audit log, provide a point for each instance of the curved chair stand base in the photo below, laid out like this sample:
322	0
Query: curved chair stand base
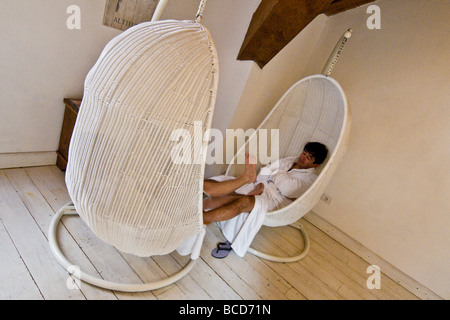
69	209
298	257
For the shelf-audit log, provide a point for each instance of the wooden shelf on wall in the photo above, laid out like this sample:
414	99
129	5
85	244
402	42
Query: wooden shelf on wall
72	106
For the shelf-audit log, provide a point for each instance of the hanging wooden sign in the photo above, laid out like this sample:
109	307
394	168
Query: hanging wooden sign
123	14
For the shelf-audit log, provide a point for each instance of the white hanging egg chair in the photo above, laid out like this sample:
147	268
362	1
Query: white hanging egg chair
313	109
150	80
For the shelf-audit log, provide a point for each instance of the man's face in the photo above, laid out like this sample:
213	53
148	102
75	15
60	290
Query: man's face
306	160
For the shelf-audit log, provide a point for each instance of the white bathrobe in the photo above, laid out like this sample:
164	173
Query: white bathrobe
280	185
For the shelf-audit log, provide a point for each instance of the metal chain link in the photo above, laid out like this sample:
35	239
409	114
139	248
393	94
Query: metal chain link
331	62
336	57
201	8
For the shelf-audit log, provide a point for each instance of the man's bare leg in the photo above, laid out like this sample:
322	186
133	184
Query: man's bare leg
230	210
215	188
215	202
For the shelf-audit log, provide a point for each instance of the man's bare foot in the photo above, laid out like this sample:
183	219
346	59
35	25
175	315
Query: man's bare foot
250	168
257	190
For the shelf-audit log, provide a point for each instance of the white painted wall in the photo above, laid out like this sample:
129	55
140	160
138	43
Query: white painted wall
42	62
391	192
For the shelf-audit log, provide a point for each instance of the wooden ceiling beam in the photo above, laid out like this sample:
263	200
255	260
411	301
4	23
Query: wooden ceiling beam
338	6
276	22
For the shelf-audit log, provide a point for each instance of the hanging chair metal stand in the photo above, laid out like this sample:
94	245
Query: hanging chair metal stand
298	257
69	209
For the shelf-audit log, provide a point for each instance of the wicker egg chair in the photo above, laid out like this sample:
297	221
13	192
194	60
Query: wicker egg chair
313	109
152	79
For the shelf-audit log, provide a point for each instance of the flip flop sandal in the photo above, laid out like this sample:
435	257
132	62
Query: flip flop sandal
222	250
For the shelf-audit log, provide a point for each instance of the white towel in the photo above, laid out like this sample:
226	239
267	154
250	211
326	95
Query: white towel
193	245
242	229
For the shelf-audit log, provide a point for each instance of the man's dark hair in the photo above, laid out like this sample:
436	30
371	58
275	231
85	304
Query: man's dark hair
317	150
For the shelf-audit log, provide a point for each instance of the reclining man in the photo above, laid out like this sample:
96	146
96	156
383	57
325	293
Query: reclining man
239	204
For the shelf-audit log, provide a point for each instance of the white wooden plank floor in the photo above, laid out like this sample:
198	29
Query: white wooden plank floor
29	197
